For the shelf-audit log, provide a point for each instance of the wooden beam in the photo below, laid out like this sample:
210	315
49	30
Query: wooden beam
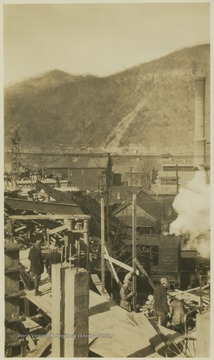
45	207
70	294
144	272
120	264
20	228
134	250
50	217
42	345
113	272
86	241
102	246
98	284
112	269
58	229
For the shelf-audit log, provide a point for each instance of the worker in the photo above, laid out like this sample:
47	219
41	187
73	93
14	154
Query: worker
54	257
126	295
129	276
177	314
36	264
161	307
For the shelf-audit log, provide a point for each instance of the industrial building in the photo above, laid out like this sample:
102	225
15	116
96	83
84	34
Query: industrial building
174	176
100	239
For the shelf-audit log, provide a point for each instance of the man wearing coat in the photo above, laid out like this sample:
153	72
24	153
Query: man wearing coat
54	257
36	264
126	296
177	314
161	307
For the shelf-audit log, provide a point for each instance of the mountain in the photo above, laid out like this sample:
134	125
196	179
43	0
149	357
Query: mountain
150	106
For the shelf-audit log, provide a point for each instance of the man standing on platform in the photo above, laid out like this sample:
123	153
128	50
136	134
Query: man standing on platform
126	296
161	307
36	264
54	257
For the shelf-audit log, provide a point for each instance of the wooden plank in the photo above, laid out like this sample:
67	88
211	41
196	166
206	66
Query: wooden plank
134	250
102	246
112	269
43	302
30	324
43	343
20	228
148	330
31	344
120	264
56	300
123	339
144	272
98	284
58	229
45	207
50	217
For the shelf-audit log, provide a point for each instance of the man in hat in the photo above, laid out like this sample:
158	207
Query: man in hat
177	314
129	276
161	307
54	257
36	264
126	295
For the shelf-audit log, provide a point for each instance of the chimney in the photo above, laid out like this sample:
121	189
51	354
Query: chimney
199	139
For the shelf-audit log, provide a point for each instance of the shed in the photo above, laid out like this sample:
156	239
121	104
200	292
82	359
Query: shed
149	213
85	171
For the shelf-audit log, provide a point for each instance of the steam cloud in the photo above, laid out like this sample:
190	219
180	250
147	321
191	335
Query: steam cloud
193	207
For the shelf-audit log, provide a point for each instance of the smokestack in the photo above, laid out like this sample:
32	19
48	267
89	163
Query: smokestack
199	139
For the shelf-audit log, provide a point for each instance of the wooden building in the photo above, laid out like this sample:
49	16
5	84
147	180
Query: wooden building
164	256
92	172
149	213
171	178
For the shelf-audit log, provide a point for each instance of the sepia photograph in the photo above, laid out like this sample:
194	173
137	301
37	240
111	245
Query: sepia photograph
106	132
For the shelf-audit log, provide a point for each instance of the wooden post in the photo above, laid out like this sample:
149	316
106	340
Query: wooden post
70	308
134	248
66	247
10	229
86	241
26	307
177	180
102	246
131	176
48	240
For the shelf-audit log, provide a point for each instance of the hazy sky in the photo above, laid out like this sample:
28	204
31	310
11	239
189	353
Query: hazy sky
100	39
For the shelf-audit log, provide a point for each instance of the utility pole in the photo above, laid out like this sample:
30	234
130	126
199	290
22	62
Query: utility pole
16	155
134	249
177	179
102	246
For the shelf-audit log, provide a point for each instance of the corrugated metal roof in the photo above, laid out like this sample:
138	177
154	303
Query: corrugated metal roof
145	202
141	221
149	204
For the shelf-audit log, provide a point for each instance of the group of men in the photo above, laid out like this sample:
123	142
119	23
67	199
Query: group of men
37	263
167	309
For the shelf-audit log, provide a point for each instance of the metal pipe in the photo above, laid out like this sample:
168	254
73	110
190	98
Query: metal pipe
134	249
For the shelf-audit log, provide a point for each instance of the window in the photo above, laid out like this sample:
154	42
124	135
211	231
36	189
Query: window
168	181
154	255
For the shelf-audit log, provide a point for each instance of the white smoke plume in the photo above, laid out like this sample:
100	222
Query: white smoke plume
192	205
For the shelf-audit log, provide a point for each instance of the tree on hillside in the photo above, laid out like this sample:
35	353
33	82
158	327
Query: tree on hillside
148	172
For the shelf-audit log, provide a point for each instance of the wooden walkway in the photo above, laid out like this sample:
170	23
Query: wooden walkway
110	327
42	302
113	332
